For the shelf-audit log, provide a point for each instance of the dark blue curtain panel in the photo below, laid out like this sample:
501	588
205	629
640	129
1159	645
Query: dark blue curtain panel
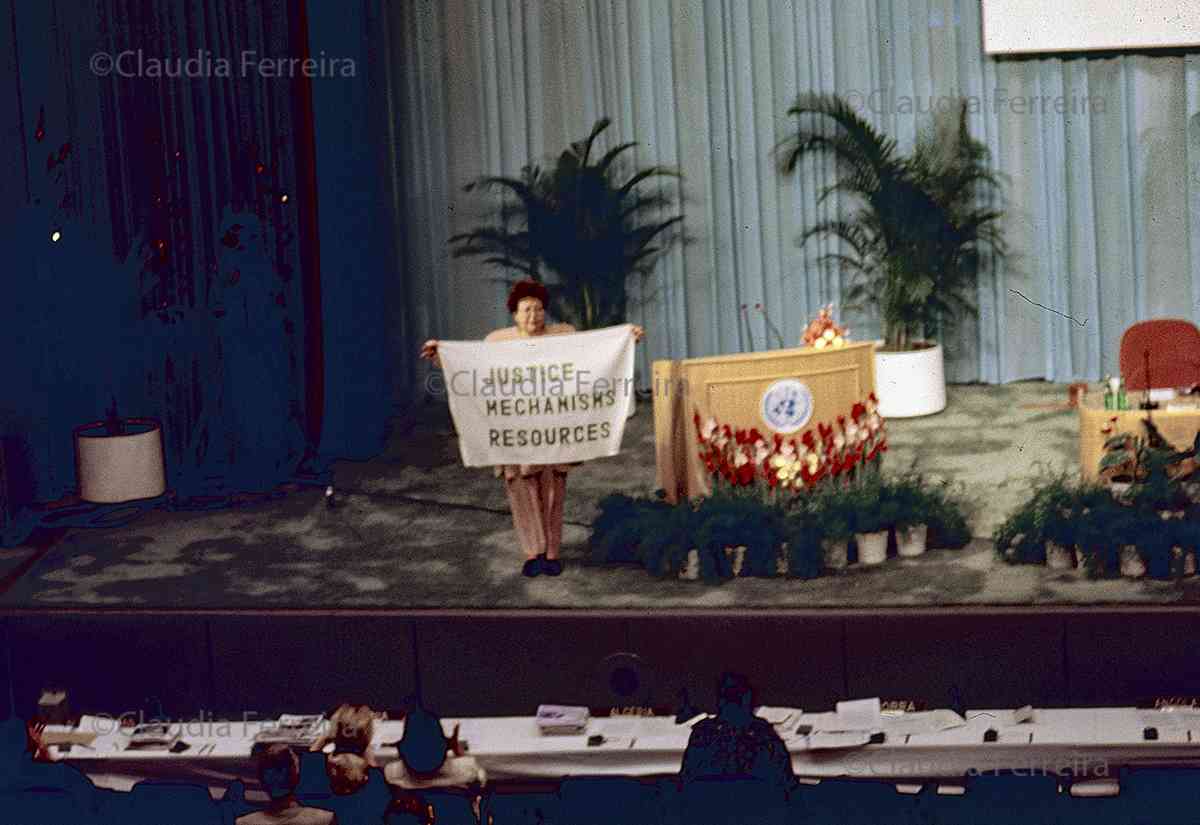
164	252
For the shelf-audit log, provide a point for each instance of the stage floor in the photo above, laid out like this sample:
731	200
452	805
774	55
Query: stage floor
417	530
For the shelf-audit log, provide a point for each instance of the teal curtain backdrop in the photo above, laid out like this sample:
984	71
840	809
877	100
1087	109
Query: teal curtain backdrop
1101	153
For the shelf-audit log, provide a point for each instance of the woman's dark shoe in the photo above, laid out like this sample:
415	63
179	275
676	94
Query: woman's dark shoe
532	567
551	567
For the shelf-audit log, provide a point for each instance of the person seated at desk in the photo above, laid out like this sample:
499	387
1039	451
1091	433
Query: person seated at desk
360	793
351	728
429	760
26	764
736	743
279	772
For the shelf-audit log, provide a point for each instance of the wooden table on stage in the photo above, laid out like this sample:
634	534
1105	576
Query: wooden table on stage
730	389
1178	424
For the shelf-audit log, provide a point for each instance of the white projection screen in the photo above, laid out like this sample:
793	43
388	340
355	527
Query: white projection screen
1025	26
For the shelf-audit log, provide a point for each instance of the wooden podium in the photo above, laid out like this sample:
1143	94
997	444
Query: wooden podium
730	388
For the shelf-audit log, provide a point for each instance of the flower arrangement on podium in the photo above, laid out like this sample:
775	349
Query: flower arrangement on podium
775	468
823	332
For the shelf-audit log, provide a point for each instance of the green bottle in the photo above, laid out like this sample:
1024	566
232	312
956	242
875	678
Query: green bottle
1122	401
1109	400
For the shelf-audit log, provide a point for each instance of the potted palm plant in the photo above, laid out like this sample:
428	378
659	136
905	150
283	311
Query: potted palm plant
914	234
580	222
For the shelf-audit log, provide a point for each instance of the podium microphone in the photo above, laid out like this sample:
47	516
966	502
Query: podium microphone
770	326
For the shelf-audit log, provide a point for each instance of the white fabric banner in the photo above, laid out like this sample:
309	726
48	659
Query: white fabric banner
547	400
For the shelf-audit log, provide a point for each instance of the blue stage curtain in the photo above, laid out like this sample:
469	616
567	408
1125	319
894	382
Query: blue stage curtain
1101	152
149	138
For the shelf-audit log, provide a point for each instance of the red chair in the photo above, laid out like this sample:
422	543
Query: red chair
1172	348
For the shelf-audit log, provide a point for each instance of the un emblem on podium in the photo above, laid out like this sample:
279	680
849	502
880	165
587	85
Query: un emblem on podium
787	405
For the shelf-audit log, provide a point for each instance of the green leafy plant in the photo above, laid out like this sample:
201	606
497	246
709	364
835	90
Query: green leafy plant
615	533
667	538
1155	470
833	511
1107	528
873	509
803	535
1017	540
581	222
947	512
1046	516
909	503
737	521
917	227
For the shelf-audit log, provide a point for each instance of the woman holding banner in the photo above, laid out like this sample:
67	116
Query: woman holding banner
535	491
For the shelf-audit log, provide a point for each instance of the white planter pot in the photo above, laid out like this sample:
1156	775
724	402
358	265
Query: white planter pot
692	571
116	468
911	542
1185	561
836	554
912	383
872	547
1059	557
1132	565
738	557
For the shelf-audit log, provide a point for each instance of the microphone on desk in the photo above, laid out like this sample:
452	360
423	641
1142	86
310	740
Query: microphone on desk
1147	404
956	702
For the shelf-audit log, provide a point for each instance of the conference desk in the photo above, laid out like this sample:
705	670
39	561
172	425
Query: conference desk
1092	741
1178	421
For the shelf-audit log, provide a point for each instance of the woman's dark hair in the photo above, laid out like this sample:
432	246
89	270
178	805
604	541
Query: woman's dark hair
279	757
527	289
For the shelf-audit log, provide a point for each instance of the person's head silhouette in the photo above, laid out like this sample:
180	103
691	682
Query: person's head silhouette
423	746
279	771
735	699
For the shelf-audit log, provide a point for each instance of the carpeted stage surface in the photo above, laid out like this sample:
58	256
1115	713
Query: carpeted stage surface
415	529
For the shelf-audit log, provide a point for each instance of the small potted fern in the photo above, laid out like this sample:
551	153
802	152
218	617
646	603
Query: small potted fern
834	512
874	513
912	514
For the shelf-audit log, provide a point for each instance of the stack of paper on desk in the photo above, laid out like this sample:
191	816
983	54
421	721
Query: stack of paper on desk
561	719
820	741
929	721
153	736
780	717
856	716
293	730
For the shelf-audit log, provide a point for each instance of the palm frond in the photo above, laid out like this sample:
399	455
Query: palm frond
919	225
574	221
